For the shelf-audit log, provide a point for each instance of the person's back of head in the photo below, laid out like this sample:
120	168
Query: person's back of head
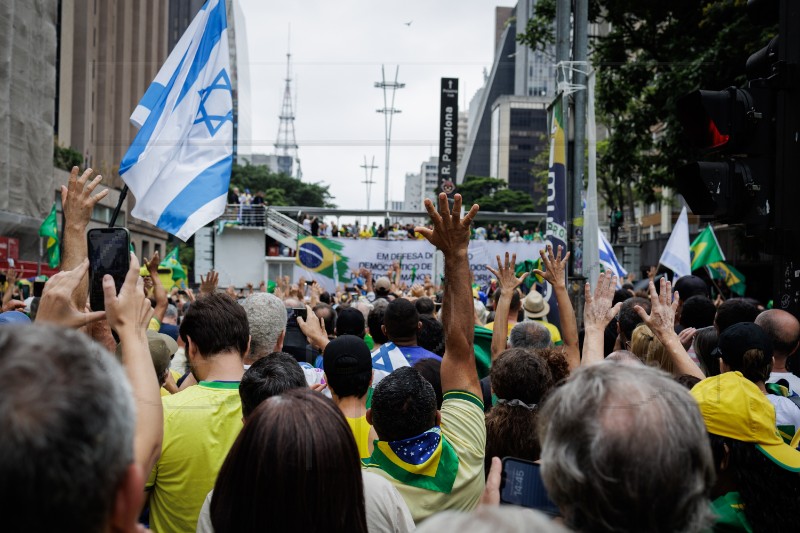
401	321
66	410
328	314
266	316
646	346
529	334
746	348
171	315
516	302
350	321
269	376
520	380
348	366
620	295
783	330
216	323
294	448
425	306
624	448
688	286
698	312
624	357
403	405
734	311
375	322
431	370
705	342
629	318
431	335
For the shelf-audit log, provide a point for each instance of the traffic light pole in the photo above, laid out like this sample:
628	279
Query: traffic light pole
786	280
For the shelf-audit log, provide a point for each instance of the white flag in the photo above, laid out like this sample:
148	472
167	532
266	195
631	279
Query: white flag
608	259
179	165
676	255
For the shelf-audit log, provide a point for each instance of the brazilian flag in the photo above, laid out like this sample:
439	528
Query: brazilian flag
529	266
323	256
734	279
49	229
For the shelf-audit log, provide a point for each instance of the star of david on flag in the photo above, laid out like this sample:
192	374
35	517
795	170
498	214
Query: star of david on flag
179	165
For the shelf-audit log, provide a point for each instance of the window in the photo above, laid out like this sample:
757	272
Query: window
145	250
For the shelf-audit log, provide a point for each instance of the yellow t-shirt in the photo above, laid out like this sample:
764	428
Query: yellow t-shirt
200	425
463	426
555	335
361	429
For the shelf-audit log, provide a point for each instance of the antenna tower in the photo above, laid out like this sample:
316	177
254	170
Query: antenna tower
286	144
368	177
388	111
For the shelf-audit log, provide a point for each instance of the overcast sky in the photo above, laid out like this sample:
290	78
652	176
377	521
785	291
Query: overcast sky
337	50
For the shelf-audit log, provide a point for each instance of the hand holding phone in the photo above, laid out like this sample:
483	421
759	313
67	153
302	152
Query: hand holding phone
522	484
109	253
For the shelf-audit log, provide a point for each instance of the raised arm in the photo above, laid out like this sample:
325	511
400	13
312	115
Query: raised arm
78	203
508	282
129	314
597	313
555	273
450	234
661	322
159	292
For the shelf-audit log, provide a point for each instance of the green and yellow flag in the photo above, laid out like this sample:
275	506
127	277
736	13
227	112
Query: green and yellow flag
734	279
49	229
705	249
171	261
324	257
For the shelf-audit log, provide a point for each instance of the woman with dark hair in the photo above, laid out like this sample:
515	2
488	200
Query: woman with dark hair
705	342
520	380
295	450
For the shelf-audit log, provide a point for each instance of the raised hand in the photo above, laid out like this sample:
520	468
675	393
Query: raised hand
661	319
555	267
76	197
128	312
57	305
152	265
209	284
598	311
450	232
506	274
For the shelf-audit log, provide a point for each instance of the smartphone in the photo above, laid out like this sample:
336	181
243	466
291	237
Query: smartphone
38	288
310	282
522	485
299	312
109	253
25	291
3	279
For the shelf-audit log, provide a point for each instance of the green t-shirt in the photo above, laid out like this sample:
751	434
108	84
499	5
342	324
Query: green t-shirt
730	514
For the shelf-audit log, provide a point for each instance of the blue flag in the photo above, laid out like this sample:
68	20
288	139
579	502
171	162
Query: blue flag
608	259
179	165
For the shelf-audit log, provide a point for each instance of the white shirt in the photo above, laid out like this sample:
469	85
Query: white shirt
794	381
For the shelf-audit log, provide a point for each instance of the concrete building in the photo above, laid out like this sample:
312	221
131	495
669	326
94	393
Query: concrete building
413	192
429	172
109	53
28	70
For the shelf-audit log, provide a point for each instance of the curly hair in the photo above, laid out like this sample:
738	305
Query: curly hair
518	374
556	362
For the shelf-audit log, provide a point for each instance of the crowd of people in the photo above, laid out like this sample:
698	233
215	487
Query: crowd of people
390	409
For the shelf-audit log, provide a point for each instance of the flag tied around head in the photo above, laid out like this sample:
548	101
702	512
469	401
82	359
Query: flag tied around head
608	259
172	261
705	249
676	254
49	229
179	165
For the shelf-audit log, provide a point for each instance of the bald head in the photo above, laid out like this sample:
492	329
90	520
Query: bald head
624	357
784	330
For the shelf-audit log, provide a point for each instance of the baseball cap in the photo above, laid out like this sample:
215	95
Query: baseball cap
383	284
688	286
734	407
535	306
347	354
14	317
740	338
162	348
350	321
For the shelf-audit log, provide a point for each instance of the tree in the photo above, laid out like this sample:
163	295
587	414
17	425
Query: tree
280	189
66	158
654	53
492	194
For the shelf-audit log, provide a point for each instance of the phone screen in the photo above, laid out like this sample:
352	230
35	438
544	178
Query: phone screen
522	485
38	288
109	253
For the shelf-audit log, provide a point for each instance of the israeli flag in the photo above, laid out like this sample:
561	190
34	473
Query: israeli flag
608	260
179	165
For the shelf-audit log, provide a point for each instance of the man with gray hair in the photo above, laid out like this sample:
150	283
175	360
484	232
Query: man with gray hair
529	334
624	448
266	315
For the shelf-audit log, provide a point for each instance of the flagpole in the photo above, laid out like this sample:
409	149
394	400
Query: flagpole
714	281
122	194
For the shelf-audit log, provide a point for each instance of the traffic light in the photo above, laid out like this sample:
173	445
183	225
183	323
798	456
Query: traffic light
734	128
